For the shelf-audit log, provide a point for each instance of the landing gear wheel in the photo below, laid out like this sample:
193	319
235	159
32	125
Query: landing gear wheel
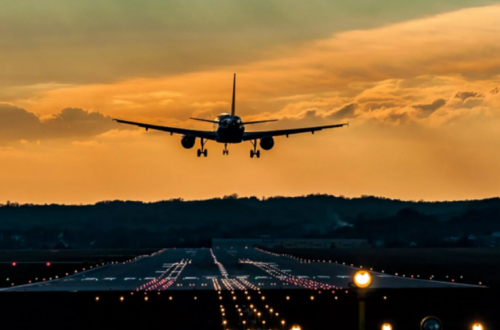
254	151
205	152
199	152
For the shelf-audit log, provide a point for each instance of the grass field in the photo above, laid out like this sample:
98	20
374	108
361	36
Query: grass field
463	265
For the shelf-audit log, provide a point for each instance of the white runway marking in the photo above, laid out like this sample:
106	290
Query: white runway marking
109	278
323	276
150	278
160	271
343	276
303	276
89	279
129	278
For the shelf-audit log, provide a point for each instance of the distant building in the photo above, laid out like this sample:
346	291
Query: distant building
292	243
17	238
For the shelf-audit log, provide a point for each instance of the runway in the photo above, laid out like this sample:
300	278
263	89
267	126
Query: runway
221	269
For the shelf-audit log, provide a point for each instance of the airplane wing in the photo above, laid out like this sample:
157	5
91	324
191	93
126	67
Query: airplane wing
173	130
264	134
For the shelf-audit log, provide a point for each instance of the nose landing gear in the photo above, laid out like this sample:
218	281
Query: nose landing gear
254	151
202	151
225	151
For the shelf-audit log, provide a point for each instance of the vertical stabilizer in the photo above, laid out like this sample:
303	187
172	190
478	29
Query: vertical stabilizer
234	90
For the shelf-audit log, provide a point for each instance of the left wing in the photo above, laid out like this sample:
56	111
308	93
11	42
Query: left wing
200	134
264	134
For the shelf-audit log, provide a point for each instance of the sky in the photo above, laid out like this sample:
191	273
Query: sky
418	82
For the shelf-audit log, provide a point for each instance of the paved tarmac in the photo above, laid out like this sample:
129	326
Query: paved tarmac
221	269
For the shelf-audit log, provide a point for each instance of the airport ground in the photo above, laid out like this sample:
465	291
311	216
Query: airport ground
202	288
467	265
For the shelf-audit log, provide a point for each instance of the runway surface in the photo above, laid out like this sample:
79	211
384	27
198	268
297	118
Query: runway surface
221	269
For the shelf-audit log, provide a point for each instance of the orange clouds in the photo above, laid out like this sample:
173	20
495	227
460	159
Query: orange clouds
421	96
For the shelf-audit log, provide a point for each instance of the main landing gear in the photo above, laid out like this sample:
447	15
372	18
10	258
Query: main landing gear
225	151
202	151
254	151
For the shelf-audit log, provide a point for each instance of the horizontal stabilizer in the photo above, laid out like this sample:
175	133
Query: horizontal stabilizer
259	121
205	120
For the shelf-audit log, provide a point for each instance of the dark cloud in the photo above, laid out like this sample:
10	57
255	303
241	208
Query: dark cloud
379	105
347	111
430	108
465	95
19	124
310	114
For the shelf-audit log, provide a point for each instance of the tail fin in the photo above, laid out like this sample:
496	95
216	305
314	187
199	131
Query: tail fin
233	110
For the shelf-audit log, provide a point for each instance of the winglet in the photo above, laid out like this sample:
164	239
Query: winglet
234	91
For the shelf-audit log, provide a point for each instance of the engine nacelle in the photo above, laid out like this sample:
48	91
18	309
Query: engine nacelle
267	143
188	141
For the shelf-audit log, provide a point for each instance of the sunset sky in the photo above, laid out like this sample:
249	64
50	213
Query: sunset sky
418	82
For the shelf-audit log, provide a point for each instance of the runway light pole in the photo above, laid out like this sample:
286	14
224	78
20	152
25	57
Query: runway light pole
362	280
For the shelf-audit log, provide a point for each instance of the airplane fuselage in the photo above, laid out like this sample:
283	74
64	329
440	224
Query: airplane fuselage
229	129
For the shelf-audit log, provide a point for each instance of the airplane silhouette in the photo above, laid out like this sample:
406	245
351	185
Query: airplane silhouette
229	129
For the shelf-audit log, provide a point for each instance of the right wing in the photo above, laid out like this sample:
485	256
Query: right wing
200	134
266	134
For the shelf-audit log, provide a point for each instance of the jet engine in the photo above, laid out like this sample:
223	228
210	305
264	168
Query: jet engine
188	141
267	143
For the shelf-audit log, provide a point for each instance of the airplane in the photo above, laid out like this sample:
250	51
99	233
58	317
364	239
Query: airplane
229	128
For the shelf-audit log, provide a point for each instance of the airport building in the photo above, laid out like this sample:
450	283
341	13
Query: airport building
292	243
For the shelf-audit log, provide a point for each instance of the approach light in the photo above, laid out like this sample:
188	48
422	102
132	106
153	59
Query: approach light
431	323
477	326
362	279
296	327
386	326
